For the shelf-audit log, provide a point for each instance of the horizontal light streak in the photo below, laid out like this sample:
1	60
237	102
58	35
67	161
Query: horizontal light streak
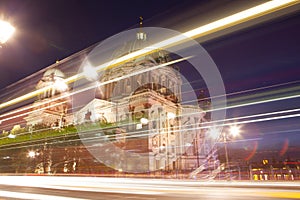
163	187
131	74
37	110
215	26
263	119
273	92
248	104
25	97
240	17
134	134
146	132
256	102
229	107
90	87
142	71
24	195
143	133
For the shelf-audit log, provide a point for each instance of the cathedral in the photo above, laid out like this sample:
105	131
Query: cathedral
144	110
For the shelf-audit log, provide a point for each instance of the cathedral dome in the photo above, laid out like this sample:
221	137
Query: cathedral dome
53	79
136	44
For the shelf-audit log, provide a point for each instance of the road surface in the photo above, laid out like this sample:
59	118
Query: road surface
75	188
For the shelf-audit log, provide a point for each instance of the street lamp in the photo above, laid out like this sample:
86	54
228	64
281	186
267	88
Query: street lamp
6	31
31	154
234	131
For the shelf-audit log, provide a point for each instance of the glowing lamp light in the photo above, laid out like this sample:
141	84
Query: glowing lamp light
171	115
6	31
188	144
162	147
31	154
234	131
144	121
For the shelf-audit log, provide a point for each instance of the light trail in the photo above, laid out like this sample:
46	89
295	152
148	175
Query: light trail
263	119
228	107
86	89
249	104
221	121
157	188
240	17
142	71
25	195
252	116
134	134
238	118
243	91
143	133
273	92
255	103
37	110
263	88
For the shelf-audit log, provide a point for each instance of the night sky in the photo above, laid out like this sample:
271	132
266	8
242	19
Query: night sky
52	30
259	56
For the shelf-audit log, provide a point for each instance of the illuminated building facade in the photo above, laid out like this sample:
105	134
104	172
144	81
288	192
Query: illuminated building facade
169	132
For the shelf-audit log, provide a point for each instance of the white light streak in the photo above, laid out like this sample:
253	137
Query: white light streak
85	89
252	116
256	102
29	112
23	195
212	126
240	17
145	186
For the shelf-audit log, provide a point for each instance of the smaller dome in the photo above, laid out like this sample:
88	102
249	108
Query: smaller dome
54	72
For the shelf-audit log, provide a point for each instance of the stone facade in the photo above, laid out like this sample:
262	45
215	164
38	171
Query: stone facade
148	101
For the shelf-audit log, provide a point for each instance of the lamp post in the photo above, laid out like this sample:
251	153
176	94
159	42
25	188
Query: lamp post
6	31
234	131
227	167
